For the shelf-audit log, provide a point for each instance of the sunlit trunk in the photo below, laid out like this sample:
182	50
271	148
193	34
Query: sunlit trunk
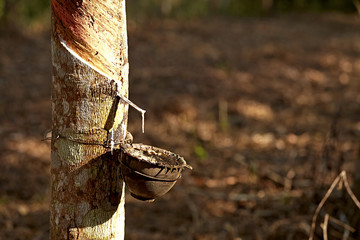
90	67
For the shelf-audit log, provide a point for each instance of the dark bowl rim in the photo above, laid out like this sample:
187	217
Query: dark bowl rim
180	161
148	176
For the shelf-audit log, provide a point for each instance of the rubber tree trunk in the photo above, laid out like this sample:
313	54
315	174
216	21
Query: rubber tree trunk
89	48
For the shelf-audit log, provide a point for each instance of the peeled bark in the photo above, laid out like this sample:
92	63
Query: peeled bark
89	48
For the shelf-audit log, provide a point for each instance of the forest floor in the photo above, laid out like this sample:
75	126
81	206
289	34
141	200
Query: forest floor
265	110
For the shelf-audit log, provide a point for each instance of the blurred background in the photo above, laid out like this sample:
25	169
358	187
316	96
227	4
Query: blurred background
261	97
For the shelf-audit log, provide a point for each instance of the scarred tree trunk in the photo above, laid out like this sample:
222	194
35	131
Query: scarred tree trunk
89	49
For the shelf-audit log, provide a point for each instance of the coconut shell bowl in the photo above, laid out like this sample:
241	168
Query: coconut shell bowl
150	172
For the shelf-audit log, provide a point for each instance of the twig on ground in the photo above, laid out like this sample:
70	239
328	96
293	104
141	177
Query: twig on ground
348	189
344	225
321	204
325	225
340	180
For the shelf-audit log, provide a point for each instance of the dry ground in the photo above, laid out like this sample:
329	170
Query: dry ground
266	110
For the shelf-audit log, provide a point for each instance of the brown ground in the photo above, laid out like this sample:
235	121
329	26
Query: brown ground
265	110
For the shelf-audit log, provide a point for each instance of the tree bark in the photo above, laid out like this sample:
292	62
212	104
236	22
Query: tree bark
89	49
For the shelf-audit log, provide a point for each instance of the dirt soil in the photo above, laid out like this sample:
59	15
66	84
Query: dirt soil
265	110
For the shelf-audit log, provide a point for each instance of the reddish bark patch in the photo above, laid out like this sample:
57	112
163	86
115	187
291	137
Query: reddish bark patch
93	30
